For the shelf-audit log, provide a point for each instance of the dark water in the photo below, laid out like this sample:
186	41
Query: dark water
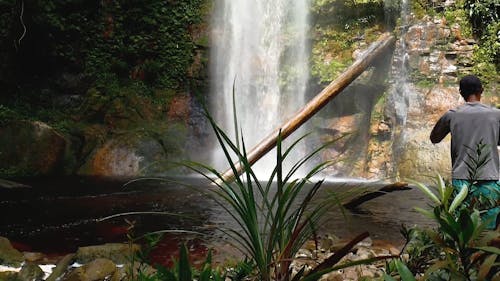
57	215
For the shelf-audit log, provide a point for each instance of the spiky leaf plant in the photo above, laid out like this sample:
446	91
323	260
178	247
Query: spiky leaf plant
275	217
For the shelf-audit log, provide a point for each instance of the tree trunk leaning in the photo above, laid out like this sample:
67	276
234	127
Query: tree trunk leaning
377	48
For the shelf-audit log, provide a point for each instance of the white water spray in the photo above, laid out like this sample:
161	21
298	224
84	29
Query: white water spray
259	47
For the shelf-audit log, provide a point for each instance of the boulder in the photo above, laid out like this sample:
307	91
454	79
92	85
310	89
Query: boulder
8	255
98	269
117	252
135	153
30	148
419	159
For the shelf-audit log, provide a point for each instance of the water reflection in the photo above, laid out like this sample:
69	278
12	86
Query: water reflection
58	215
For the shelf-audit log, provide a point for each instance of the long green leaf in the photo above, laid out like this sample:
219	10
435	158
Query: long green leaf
426	191
486	266
388	277
185	273
459	198
404	272
489	249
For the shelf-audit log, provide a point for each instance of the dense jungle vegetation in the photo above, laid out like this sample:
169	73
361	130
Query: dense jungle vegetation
94	69
55	53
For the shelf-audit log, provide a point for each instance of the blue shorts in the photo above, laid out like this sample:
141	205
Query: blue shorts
486	197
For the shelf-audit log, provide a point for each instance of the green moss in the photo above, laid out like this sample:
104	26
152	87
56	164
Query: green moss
341	27
487	55
458	16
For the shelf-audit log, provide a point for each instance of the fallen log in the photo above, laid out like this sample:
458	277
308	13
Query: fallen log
377	48
354	203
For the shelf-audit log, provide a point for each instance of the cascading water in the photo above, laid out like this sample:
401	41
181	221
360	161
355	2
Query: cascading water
400	75
259	49
402	94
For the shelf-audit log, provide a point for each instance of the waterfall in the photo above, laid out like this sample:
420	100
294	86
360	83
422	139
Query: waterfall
258	47
402	93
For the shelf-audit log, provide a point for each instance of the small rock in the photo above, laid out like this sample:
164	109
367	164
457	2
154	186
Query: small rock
310	245
303	253
32	257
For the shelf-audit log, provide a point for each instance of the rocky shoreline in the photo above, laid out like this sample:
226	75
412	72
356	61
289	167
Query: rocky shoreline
113	261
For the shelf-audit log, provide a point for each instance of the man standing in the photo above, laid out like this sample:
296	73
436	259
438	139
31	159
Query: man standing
470	125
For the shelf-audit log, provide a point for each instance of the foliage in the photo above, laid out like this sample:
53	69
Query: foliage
275	217
340	28
487	55
7	114
108	41
183	270
482	13
56	55
462	240
459	248
454	15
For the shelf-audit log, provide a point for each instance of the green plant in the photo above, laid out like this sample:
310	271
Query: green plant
183	270
275	217
482	13
461	235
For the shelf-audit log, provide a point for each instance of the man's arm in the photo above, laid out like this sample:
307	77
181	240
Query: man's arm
441	129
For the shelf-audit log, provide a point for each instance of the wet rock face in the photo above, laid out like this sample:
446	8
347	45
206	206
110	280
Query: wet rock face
437	55
31	148
438	51
124	156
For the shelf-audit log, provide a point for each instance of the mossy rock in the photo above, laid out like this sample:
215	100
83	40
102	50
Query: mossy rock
8	255
421	160
117	252
142	151
30	148
10	276
98	269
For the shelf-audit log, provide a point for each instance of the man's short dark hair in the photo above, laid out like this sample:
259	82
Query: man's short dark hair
470	85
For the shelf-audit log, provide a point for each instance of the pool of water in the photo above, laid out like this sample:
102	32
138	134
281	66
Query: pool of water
57	215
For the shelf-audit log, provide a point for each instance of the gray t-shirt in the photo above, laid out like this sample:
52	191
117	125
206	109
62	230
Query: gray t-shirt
469	124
